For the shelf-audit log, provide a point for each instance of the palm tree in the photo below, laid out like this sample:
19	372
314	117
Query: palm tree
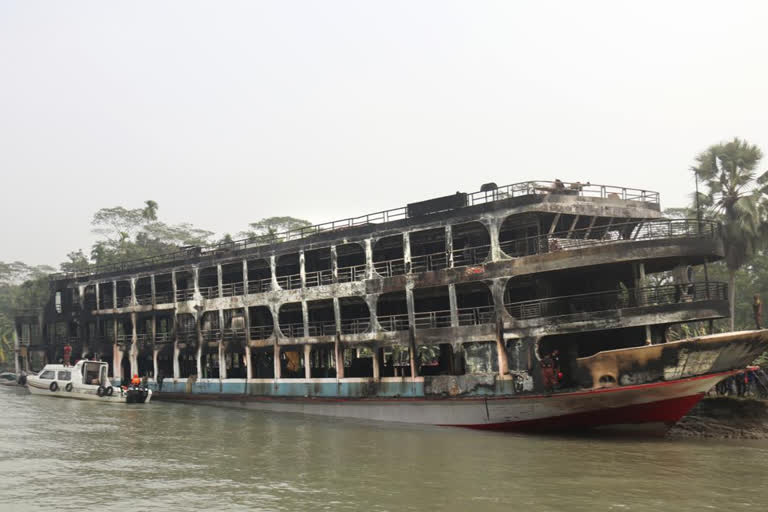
735	196
150	210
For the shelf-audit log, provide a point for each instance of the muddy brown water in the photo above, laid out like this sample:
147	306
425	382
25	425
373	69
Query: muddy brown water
68	455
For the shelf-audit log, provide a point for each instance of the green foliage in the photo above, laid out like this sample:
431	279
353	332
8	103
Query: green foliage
736	196
131	234
270	228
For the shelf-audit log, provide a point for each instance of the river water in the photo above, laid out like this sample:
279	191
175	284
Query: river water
60	454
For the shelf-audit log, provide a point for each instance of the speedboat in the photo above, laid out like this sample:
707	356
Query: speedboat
86	380
8	379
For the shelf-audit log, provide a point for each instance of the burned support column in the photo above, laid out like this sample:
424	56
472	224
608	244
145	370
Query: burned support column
98	298
117	355
407	252
199	332
337	351
453	305
155	352
334	264
114	294
273	272
277	365
133	354
307	366
245	279
222	346
174	288
493	230
376	362
497	291
302	269
196	280
219	281
152	289
133	291
449	245
248	369
222	360
368	259
411	326
176	369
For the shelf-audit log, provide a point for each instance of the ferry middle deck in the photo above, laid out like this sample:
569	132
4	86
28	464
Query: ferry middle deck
462	295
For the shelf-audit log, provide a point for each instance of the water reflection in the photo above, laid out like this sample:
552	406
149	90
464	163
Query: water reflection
163	456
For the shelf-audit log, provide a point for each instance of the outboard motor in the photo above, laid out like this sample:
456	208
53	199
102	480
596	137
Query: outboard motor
136	395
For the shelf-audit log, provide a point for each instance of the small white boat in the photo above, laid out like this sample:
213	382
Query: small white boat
86	380
8	379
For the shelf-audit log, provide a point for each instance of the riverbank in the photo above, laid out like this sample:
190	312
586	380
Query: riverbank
725	418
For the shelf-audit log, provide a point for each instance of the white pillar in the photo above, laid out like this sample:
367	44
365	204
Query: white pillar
176	369
248	370
307	354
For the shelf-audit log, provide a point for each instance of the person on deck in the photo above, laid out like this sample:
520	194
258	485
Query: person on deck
135	381
67	354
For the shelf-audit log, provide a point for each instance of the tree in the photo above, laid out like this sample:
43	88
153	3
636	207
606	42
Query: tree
131	234
270	228
736	196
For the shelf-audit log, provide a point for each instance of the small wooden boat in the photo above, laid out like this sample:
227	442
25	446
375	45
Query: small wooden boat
8	379
86	380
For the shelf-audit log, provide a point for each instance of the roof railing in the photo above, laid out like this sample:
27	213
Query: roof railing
525	188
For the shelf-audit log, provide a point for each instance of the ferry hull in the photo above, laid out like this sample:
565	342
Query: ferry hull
659	404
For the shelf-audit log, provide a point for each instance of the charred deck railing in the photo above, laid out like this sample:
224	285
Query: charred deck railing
527	188
609	234
617	299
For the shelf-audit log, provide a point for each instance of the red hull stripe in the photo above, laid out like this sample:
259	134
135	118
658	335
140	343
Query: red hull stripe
664	411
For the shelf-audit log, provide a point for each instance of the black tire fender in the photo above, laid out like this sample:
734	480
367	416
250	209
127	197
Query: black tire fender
68	387
100	391
54	386
109	391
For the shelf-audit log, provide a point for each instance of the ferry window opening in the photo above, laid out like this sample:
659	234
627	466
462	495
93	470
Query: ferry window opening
48	375
65	375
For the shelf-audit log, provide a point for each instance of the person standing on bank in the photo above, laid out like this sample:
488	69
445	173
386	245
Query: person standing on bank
757	310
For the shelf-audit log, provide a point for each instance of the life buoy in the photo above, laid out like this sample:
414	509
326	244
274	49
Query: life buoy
109	391
100	391
53	387
68	387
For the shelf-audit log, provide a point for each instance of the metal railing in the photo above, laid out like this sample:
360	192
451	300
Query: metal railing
261	332
476	316
233	334
432	319
353	273
187	336
474	255
320	328
210	292
292	330
145	299
617	299
185	294
292	282
124	302
394	322
526	188
106	303
356	326
318	278
609	234
211	334
390	268
429	262
233	289
164	297
163	337
259	285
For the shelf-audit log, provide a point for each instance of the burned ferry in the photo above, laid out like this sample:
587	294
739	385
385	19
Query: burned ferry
527	306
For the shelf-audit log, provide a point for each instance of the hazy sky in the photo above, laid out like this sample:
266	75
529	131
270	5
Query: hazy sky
225	112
